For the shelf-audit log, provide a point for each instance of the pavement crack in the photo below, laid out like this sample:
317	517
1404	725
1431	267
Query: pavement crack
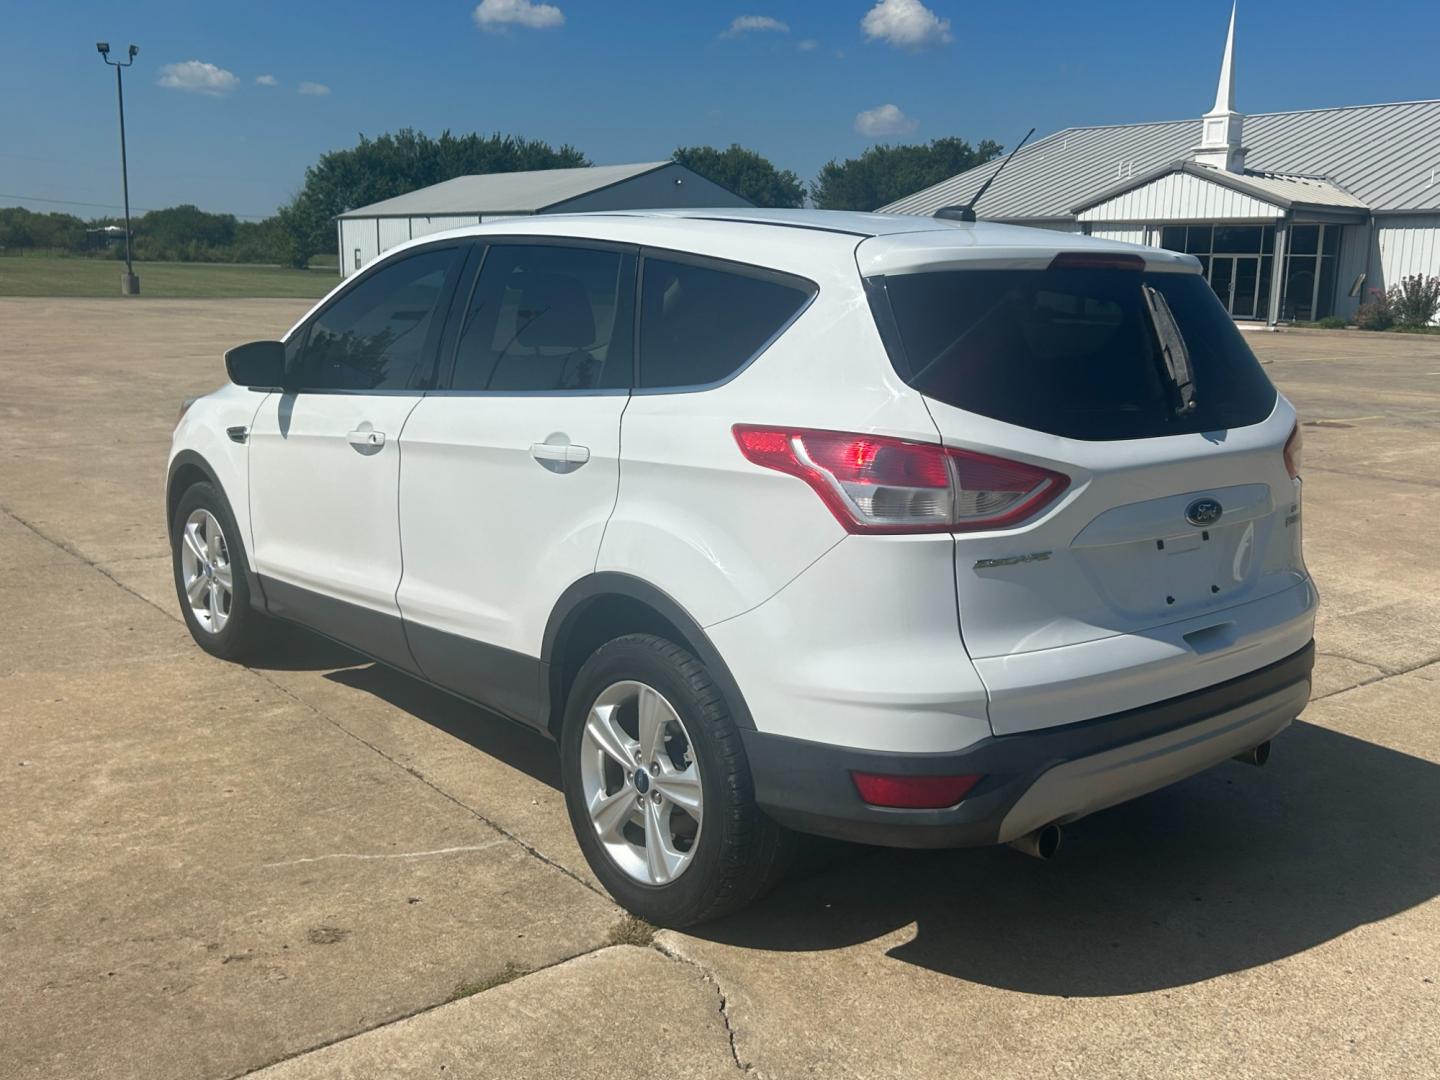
76	553
1374	679
392	855
670	953
528	847
422	778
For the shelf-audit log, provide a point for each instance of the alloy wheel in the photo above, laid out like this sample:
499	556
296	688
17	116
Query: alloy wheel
206	572
641	783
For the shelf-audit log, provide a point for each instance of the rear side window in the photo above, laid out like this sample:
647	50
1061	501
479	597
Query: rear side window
701	324
1074	351
379	334
545	317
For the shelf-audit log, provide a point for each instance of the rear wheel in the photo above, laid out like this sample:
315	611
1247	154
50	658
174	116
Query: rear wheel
658	787
209	564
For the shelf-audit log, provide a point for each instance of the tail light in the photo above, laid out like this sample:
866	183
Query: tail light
877	484
913	792
1294	452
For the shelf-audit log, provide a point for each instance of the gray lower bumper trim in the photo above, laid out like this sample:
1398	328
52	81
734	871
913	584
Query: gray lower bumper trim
1076	788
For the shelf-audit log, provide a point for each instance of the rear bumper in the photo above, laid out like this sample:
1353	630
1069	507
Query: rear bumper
1055	774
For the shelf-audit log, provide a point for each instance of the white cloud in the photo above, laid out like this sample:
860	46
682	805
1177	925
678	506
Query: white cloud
808	45
497	16
315	89
198	77
266	80
744	24
884	120
908	24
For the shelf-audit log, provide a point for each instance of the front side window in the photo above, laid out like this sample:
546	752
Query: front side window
548	317
1076	352
378	334
701	324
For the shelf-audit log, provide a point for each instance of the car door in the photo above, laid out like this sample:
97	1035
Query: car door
511	468
325	457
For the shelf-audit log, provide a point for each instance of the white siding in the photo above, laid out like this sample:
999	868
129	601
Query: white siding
1181	197
1126	234
1053	226
393	232
424	226
1408	245
357	234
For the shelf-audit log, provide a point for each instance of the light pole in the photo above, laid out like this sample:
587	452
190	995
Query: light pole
129	283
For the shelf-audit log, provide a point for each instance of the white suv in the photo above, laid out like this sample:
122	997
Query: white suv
907	531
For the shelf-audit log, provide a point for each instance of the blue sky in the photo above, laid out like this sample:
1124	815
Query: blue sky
628	80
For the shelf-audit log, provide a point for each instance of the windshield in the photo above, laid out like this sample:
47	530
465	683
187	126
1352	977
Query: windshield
1086	353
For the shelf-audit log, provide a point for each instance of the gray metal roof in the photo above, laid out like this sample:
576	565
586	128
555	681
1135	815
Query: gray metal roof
1383	155
504	193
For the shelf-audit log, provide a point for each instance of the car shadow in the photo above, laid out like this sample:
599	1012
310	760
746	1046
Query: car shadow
294	648
1229	870
516	745
1226	871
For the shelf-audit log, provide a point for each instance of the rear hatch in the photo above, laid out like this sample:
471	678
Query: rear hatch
1177	532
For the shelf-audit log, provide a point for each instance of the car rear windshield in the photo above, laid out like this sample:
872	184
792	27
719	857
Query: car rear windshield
1081	352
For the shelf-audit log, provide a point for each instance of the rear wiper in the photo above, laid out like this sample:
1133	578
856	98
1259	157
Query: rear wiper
1172	348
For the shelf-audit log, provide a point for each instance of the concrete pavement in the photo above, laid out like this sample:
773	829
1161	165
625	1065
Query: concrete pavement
208	869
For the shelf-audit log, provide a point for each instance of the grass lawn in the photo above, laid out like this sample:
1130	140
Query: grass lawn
44	276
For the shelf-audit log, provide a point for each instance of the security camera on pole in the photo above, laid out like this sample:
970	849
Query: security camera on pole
129	283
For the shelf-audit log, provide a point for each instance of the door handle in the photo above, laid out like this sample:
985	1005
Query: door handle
366	441
560	457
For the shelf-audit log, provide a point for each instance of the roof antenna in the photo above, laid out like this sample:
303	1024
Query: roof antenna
966	212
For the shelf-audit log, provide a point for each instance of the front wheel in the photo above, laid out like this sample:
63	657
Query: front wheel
659	789
209	565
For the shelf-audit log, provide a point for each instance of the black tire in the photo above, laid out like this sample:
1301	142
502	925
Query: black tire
740	852
243	631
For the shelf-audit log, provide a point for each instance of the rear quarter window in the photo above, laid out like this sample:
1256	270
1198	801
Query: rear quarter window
1071	351
701	323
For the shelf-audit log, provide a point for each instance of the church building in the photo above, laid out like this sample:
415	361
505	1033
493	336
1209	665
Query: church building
1293	215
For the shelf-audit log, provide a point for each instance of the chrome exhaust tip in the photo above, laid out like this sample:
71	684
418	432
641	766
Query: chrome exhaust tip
1256	755
1043	843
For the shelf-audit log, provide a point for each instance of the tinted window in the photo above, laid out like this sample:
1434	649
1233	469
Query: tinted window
374	337
544	317
1074	352
701	324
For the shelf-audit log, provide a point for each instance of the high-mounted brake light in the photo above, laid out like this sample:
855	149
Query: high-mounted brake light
879	484
1096	260
913	792
1294	447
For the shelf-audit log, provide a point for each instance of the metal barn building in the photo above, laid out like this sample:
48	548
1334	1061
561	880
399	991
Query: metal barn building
368	231
1294	215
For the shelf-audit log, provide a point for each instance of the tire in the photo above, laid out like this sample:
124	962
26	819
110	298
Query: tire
236	634
735	855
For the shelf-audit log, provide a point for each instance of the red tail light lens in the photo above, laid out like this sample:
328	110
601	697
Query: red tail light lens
878	484
913	792
1294	447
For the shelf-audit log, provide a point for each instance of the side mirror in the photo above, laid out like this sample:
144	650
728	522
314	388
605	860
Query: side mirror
260	365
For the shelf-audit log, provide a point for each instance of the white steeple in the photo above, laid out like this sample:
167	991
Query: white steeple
1220	139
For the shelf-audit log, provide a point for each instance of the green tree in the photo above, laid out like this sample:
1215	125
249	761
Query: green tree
394	164
745	173
22	229
184	233
883	174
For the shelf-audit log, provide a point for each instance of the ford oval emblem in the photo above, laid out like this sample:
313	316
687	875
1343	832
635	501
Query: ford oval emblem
1203	512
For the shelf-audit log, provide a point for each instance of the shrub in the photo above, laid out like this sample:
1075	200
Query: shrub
1331	322
1415	300
1375	313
